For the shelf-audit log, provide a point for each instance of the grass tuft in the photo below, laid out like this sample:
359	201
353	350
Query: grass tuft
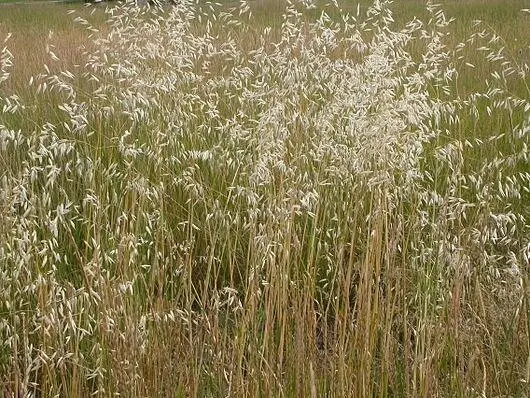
196	200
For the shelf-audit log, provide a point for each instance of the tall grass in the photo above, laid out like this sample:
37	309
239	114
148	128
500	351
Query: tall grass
211	207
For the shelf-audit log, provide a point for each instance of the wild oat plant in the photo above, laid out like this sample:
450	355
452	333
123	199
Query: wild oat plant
214	207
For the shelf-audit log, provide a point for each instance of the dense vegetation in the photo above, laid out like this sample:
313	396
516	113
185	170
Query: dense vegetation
266	199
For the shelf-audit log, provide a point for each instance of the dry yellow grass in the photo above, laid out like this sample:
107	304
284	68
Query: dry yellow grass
206	207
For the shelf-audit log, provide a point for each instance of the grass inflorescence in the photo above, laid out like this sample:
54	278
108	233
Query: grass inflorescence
201	203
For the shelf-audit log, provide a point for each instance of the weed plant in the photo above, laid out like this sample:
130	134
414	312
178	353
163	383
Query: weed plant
212	207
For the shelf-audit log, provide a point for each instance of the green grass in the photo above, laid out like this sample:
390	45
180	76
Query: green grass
11	3
204	207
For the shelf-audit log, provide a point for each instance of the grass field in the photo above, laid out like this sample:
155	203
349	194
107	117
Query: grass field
265	200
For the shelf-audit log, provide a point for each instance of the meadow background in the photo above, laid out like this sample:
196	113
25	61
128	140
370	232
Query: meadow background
264	199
